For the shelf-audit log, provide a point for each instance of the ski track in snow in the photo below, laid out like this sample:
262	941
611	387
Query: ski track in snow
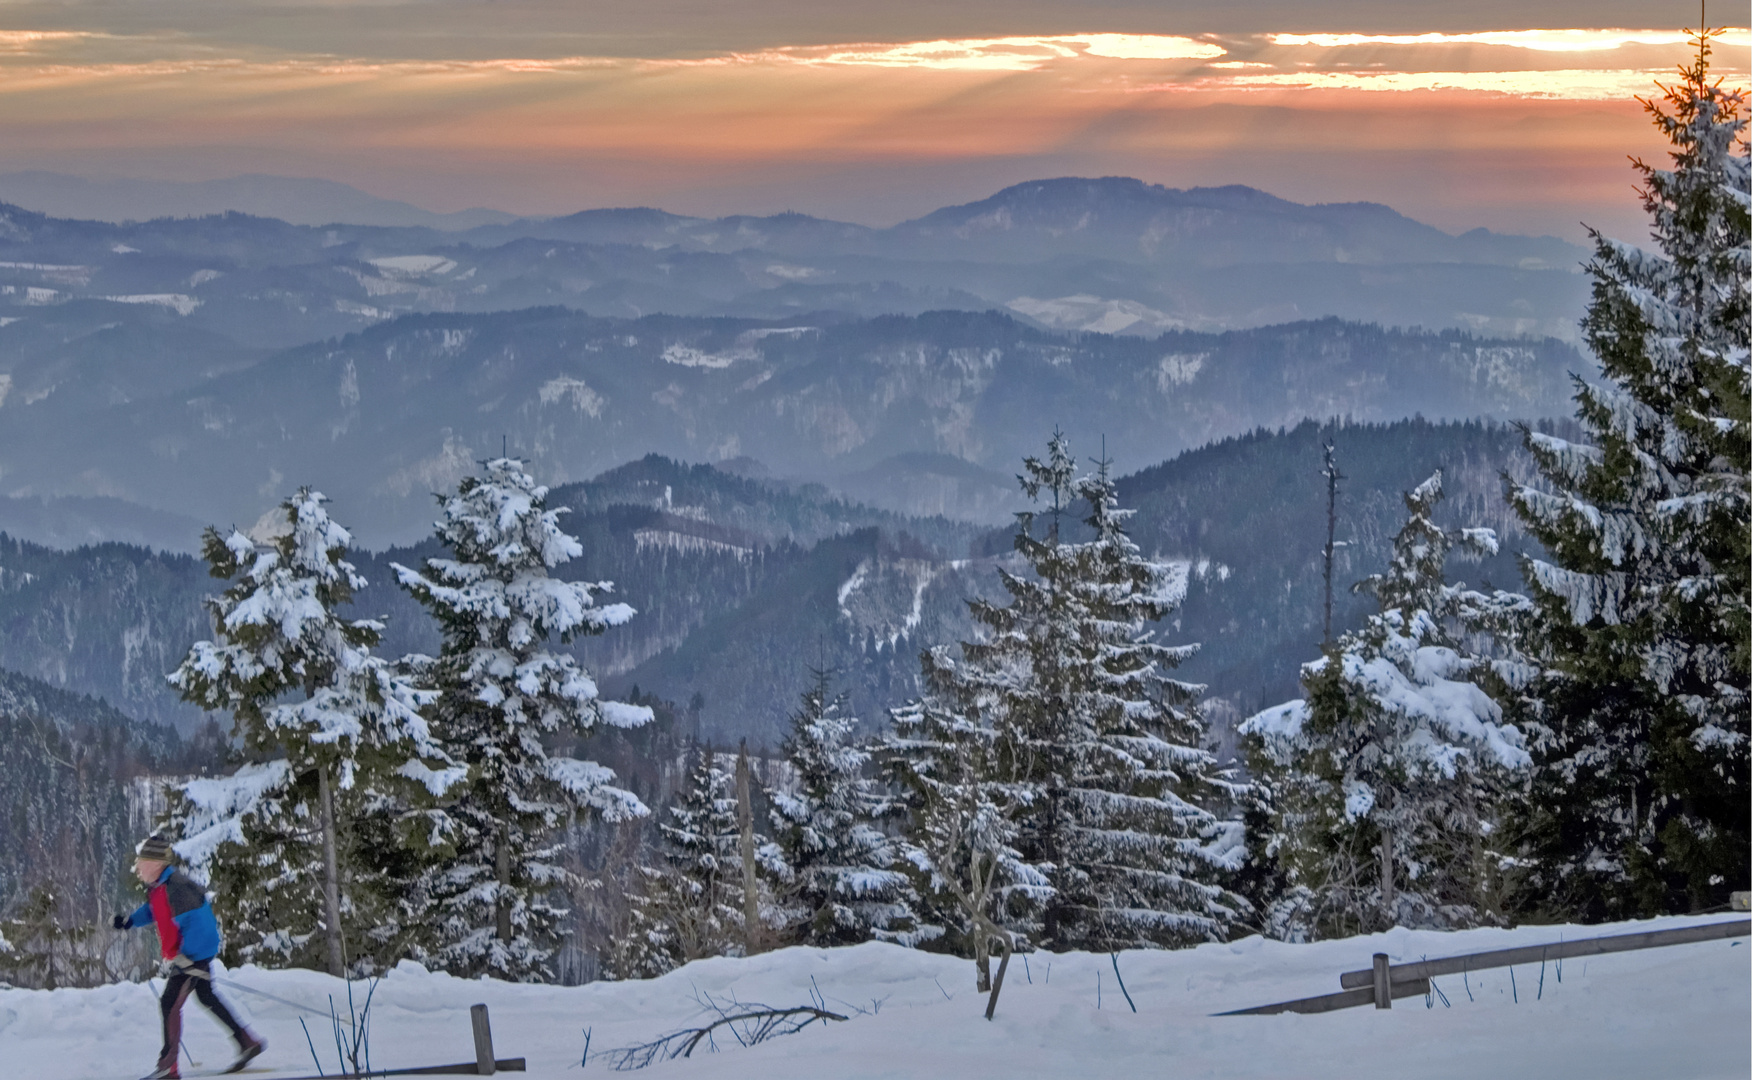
1676	1012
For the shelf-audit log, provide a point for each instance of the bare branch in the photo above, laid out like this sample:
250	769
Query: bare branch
749	1023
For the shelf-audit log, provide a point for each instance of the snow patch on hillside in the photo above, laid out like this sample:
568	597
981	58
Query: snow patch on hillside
777	331
686	542
1178	369
887	598
794	273
412	265
573	390
1095	314
687	356
348	307
180	303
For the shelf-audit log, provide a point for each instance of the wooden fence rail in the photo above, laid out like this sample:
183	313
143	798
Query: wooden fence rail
1557	950
1383	983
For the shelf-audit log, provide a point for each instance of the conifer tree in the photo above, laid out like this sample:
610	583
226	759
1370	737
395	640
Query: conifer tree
501	690
838	868
1386	779
1096	750
335	734
48	950
691	906
1639	802
961	831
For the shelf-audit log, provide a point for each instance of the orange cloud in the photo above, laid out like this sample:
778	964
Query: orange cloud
1537	40
1287	112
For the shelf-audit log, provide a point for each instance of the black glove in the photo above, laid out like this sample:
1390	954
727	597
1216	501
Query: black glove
120	922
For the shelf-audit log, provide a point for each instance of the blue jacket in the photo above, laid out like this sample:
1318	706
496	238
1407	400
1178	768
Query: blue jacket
183	915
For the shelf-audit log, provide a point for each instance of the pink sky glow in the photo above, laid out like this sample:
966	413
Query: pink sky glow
1523	130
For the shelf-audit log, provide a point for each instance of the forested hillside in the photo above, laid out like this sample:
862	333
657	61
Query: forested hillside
68	763
867	603
743	584
380	419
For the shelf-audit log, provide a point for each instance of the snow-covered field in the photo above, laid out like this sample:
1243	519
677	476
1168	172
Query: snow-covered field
1665	1014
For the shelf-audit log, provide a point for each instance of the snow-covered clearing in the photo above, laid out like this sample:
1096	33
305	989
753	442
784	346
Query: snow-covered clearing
177	302
1677	1013
414	264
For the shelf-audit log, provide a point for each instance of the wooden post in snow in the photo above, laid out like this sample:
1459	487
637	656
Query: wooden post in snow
1383	982
485	1063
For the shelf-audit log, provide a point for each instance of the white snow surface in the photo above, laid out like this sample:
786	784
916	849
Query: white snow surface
1677	1012
177	302
410	265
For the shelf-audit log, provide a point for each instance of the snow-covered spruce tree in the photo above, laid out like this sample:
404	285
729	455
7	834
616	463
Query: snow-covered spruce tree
501	689
1386	778
1100	752
336	742
1639	802
691	906
973	887
838	871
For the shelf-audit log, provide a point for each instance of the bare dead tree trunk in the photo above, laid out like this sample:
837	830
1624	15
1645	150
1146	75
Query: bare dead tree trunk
331	876
1333	476
1389	897
502	865
750	886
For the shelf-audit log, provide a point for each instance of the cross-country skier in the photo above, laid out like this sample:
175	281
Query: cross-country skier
188	935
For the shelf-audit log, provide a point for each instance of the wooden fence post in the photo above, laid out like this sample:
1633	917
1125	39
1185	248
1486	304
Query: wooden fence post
485	1065
1383	987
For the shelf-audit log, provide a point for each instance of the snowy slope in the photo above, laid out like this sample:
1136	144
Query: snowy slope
1675	1013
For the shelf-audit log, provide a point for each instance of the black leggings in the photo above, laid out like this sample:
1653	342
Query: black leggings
198	979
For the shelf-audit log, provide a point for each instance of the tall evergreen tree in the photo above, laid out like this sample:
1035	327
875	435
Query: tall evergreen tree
501	689
275	836
1639	802
1098	751
839	869
1386	778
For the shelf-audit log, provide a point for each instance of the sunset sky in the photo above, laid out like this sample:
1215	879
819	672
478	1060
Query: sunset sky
1513	116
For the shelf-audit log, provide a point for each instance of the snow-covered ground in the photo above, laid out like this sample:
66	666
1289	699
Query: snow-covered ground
1666	1014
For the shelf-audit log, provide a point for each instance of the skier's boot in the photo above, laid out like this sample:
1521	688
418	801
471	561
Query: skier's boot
163	1072
248	1053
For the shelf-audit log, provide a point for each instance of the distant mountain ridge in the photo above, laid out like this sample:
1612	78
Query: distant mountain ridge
1122	218
1109	254
1094	210
297	200
381	418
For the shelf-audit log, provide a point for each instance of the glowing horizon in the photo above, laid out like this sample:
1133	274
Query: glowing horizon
822	126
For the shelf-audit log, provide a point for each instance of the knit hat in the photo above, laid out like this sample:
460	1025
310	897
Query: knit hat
155	847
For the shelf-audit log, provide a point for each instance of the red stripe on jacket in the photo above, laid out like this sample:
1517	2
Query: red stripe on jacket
169	933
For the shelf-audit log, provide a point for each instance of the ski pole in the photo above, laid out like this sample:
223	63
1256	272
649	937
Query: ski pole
263	993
